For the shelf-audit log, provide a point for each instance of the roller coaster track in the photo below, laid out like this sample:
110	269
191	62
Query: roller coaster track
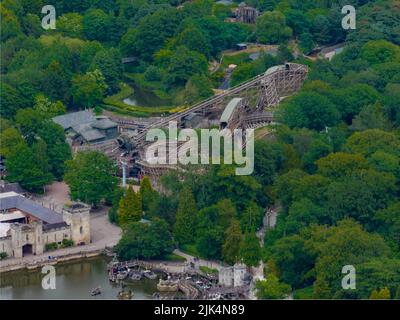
276	83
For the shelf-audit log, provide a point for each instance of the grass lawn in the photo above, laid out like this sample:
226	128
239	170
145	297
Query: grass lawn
190	249
208	270
174	257
305	293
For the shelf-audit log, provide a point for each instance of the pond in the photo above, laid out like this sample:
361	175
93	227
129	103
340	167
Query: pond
74	280
144	98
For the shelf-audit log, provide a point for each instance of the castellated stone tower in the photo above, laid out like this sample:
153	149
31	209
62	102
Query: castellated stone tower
26	238
77	216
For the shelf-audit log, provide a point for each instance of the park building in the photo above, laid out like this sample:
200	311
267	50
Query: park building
83	127
233	276
246	14
28	228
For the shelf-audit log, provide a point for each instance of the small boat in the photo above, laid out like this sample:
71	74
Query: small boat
125	295
95	291
122	275
136	276
32	266
149	274
167	286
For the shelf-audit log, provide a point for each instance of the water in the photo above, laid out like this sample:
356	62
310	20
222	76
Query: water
144	98
74	280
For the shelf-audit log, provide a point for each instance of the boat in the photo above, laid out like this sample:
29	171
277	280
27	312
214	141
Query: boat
167	286
136	275
149	274
122	275
95	291
32	266
125	295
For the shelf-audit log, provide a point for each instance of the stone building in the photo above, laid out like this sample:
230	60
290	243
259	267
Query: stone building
26	227
234	276
246	14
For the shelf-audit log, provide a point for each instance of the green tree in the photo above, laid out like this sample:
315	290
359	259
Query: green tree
184	64
341	164
95	23
380	51
58	150
369	141
272	288
344	244
10	138
71	24
184	228
108	61
113	211
232	243
48	109
310	110
129	210
197	88
22	167
193	39
250	250
147	193
88	89
10	26
29	122
90	177
56	82
145	241
271	28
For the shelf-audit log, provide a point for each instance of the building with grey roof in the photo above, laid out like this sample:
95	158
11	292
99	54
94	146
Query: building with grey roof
26	227
83	127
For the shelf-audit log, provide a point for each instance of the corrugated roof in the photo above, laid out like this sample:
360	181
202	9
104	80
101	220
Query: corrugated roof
228	111
12	200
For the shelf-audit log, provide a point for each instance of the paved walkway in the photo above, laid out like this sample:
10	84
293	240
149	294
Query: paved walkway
199	262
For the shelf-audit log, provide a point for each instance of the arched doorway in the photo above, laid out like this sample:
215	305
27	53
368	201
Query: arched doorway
27	249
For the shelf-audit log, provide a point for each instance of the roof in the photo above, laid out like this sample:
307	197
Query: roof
12	200
104	123
8	187
54	226
228	111
88	132
73	119
11	216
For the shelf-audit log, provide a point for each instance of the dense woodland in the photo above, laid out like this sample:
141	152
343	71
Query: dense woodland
331	168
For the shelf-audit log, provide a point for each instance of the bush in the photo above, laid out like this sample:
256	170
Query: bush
51	246
67	243
3	255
